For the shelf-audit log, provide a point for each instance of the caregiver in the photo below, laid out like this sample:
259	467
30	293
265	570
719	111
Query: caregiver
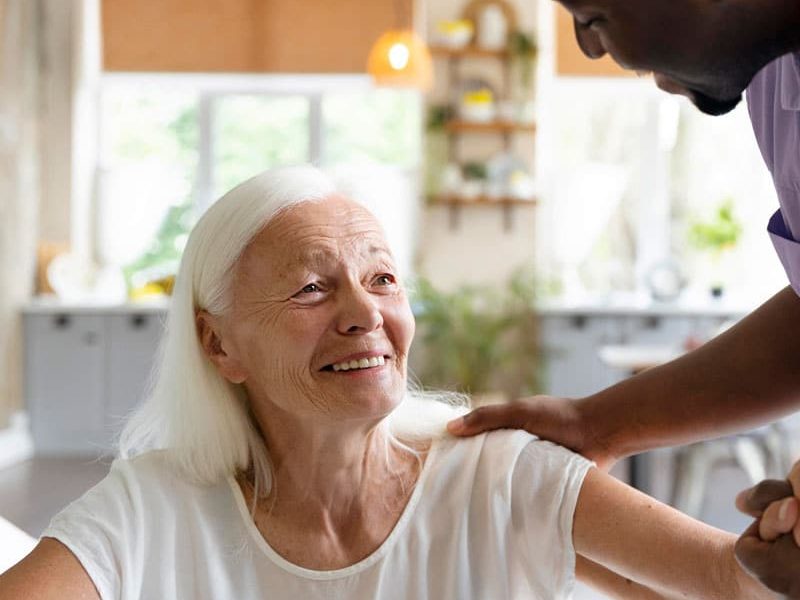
711	52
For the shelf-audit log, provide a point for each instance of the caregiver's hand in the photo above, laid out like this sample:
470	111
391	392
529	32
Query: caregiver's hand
559	420
775	564
769	550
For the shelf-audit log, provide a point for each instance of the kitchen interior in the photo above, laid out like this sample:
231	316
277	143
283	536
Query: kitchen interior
562	223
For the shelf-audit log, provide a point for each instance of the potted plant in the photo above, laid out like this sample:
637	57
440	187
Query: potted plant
523	51
717	236
481	341
474	180
436	148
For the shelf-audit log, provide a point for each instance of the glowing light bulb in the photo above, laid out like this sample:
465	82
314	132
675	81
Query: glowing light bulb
398	56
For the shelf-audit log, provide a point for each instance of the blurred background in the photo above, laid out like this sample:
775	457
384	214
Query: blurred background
562	224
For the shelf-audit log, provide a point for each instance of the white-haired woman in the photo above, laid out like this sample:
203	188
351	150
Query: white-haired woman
281	455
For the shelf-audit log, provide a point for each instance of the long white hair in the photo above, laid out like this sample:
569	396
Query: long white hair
202	420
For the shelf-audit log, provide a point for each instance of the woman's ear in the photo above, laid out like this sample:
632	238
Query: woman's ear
209	331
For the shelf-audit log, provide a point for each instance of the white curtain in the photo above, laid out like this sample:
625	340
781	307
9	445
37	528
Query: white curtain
19	190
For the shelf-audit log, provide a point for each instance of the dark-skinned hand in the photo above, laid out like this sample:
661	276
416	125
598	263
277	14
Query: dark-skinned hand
558	420
768	550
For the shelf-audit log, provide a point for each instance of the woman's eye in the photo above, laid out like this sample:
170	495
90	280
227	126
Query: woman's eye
384	279
310	289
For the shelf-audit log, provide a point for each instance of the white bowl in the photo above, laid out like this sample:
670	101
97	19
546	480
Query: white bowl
483	112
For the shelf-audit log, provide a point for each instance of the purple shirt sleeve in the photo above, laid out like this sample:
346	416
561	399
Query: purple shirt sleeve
773	99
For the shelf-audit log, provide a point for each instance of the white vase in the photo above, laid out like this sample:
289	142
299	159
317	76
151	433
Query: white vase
493	29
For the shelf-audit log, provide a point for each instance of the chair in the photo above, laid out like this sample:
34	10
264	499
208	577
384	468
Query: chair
762	453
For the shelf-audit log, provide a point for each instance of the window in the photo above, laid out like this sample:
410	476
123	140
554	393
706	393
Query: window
173	144
255	132
630	170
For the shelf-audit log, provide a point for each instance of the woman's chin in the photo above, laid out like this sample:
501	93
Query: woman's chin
373	407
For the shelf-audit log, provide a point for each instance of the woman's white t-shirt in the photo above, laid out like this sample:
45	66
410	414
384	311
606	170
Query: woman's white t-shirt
490	518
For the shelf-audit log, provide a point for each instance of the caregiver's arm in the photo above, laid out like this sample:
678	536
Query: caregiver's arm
744	377
49	572
639	538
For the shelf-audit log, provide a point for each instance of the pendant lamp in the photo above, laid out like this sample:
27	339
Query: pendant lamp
400	58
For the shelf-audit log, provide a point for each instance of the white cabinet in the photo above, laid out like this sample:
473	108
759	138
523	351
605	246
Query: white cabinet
571	343
84	372
133	344
64	387
570	349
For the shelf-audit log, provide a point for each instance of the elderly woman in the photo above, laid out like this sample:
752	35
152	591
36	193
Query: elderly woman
281	454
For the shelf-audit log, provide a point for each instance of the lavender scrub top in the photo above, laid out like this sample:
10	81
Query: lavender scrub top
773	99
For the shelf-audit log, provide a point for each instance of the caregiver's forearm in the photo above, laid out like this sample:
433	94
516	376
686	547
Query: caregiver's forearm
743	378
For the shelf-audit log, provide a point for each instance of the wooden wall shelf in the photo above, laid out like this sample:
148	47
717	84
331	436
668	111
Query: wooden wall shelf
458	131
461	126
455	204
468	52
482	200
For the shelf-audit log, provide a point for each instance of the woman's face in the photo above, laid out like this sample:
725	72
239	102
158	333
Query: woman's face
320	324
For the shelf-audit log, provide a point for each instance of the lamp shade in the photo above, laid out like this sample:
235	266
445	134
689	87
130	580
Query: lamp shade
400	58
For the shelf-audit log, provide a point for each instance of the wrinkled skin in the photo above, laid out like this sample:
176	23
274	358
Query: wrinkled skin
707	50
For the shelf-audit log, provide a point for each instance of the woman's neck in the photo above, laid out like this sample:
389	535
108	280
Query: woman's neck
333	475
331	469
334	498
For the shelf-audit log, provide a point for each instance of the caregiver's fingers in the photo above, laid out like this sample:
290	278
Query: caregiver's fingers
794	478
775	564
779	518
555	419
755	500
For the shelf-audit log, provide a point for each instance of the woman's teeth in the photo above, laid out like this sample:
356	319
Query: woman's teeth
363	363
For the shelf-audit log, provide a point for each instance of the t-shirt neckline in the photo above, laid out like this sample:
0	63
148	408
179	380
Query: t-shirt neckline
350	570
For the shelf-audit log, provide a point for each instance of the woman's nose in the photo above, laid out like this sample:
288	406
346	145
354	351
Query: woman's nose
359	312
588	41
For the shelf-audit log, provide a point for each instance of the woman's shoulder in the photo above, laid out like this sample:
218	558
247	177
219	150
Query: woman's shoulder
494	452
149	478
499	443
148	468
496	456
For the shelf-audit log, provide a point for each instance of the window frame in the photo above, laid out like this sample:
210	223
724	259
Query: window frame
212	87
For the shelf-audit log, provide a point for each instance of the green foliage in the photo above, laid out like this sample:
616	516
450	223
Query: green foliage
438	116
522	45
164	254
376	126
523	50
720	233
479	339
475	170
171	134
254	133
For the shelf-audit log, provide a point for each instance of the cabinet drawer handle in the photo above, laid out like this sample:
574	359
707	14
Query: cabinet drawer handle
61	321
652	322
578	321
138	321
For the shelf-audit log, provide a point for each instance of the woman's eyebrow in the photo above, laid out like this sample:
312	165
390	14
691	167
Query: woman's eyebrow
373	249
